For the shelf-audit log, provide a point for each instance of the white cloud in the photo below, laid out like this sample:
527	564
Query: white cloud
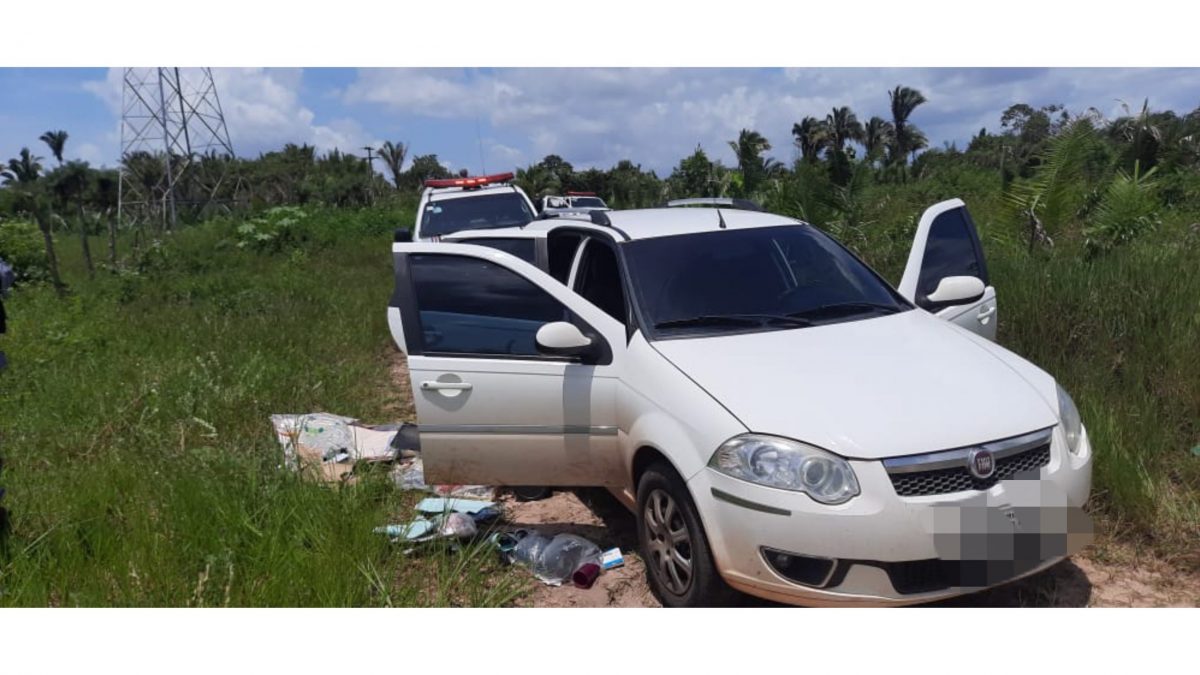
595	117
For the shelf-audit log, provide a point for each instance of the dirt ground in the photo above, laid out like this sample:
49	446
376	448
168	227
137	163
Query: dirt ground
1110	573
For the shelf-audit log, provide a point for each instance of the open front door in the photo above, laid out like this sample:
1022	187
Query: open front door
947	245
493	406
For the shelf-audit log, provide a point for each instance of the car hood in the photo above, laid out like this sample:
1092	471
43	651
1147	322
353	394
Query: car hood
897	385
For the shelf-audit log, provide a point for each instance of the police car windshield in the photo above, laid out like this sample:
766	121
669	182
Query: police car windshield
481	212
587	201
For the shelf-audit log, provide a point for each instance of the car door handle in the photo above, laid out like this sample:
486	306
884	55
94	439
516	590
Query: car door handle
431	385
984	314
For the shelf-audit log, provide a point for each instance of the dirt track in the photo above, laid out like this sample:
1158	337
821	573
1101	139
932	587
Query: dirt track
1108	574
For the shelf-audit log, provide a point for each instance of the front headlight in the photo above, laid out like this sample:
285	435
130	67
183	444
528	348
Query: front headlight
788	465
1068	415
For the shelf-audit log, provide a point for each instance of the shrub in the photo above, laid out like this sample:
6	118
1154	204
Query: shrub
22	247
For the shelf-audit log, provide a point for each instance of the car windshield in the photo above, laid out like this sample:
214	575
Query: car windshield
588	202
480	212
771	278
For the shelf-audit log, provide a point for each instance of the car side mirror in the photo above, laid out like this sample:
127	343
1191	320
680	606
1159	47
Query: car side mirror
956	291
560	338
402	236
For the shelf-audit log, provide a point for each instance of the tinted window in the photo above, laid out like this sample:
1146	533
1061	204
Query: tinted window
522	248
561	248
600	280
588	202
949	251
753	279
472	306
504	209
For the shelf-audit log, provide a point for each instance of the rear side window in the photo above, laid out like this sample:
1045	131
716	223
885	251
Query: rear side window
475	307
600	282
561	248
522	248
951	250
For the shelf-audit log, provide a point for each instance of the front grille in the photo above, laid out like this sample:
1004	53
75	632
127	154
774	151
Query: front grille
1025	464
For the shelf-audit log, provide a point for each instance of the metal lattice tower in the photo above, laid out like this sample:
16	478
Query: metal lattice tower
175	149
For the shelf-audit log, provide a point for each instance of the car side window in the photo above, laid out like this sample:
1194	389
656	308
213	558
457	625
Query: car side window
599	280
521	247
951	250
561	248
470	306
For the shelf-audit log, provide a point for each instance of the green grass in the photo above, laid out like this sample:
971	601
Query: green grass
141	466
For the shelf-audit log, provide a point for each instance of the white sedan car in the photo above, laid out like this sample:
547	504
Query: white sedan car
780	419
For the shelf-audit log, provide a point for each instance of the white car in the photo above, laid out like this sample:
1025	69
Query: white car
573	203
470	203
780	419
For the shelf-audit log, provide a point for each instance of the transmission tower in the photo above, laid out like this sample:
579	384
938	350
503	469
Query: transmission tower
175	149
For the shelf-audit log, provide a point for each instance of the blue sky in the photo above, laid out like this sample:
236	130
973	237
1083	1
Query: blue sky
592	117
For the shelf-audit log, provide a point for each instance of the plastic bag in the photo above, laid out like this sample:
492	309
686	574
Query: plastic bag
562	556
458	525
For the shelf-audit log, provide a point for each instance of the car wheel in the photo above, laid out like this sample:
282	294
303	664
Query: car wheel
674	547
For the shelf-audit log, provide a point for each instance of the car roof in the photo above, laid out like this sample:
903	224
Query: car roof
638	224
665	222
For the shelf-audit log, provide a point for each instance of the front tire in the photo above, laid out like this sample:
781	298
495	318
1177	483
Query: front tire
679	564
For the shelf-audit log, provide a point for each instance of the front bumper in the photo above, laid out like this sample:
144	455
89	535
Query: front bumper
888	550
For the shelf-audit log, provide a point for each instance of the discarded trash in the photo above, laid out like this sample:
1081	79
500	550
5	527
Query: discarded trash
586	575
410	531
466	491
334	443
611	559
553	561
441	505
410	476
458	525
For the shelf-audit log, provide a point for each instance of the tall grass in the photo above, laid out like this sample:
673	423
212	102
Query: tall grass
141	466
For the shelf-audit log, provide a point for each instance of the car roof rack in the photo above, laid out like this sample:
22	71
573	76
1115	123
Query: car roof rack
720	202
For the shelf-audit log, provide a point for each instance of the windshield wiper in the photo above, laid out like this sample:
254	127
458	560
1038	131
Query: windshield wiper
733	320
847	308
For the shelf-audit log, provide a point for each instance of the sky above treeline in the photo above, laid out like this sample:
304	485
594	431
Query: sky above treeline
497	119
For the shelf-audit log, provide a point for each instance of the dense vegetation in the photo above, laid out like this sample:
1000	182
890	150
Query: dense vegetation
141	468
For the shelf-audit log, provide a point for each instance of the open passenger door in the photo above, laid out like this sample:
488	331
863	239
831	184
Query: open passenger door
946	258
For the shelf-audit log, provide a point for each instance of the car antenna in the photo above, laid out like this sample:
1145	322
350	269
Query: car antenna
720	220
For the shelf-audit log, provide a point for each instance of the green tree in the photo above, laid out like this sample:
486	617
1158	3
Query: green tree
425	167
811	136
56	141
906	138
70	183
843	126
755	169
393	155
694	177
22	176
877	135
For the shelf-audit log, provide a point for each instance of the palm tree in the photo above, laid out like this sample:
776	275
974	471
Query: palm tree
811	136
1142	134
393	155
56	141
22	176
70	185
877	134
906	138
843	125
748	149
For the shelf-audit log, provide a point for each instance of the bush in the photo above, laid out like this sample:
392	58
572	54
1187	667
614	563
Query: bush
22	247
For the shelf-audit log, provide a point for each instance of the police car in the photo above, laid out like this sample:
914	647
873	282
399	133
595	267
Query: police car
451	205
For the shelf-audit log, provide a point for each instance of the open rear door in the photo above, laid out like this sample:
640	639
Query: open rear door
947	245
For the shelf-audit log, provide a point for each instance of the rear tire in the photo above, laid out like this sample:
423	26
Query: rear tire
679	564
